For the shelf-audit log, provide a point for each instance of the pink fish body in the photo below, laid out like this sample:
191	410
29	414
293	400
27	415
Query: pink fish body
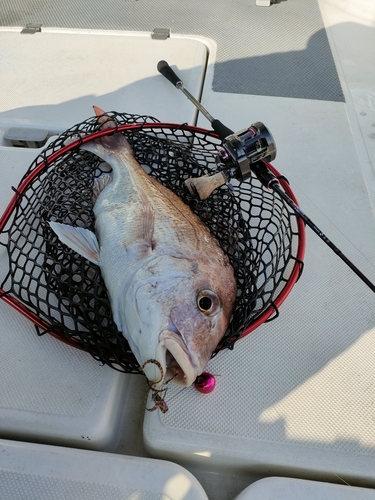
170	285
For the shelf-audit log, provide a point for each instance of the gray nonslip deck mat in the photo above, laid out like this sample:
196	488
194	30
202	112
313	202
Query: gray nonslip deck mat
281	50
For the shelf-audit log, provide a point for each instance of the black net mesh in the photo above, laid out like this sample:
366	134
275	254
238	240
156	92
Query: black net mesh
255	228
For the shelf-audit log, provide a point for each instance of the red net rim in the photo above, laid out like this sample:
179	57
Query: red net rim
259	320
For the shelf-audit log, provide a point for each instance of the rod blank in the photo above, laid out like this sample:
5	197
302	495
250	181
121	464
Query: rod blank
221	130
267	178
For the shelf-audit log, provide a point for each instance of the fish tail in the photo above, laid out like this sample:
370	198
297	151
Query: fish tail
103	118
109	144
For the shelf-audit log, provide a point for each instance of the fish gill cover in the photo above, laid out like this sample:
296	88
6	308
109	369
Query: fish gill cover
257	231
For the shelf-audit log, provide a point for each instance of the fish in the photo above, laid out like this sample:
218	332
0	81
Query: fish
170	285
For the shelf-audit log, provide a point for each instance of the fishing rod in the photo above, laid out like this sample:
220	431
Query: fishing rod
243	153
242	148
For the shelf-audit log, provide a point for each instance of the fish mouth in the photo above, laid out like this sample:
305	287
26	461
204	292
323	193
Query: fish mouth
175	358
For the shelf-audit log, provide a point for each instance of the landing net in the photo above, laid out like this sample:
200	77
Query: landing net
65	295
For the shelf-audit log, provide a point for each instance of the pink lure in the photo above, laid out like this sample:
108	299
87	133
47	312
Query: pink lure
205	383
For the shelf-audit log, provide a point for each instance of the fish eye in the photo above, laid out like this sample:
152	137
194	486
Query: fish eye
207	302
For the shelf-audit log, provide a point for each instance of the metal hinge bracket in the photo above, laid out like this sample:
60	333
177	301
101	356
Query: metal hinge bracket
161	33
32	28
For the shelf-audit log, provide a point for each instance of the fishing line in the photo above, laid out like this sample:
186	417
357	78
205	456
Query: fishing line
179	392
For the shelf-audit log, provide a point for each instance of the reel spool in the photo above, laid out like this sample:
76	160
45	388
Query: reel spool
241	152
65	295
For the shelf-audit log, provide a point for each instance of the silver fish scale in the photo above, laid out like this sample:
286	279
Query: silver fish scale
256	230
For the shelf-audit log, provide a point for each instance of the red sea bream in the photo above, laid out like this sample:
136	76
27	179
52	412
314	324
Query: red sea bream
170	285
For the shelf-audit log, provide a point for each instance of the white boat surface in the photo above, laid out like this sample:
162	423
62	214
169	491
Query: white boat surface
293	411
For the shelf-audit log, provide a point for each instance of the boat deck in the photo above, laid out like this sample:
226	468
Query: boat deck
294	398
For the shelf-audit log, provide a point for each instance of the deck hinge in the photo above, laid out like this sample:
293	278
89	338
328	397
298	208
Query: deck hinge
32	28
161	33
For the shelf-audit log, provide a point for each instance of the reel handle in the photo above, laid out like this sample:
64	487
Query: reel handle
164	68
202	187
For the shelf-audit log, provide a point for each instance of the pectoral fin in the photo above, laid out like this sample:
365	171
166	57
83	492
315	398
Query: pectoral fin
99	184
83	241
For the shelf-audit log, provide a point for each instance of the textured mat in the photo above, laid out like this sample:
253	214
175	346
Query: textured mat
38	472
280	50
